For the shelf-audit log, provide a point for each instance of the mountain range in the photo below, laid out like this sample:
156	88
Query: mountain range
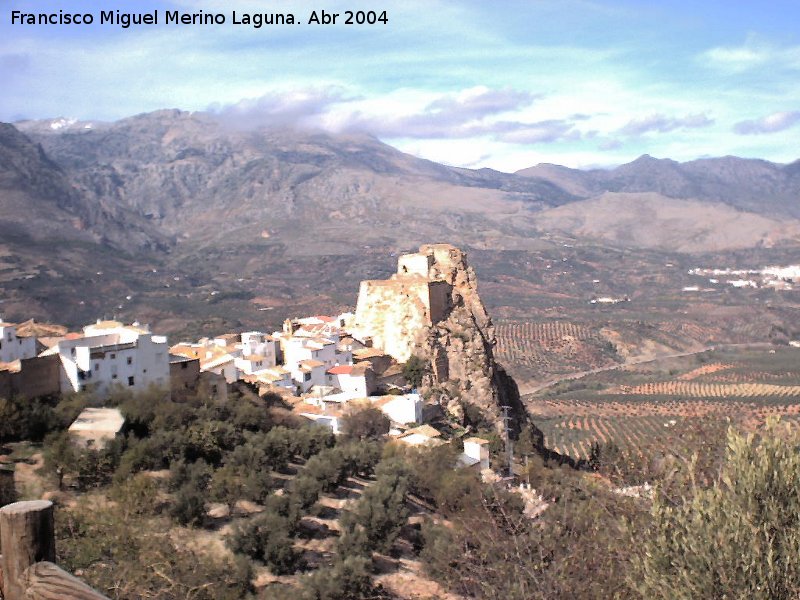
194	196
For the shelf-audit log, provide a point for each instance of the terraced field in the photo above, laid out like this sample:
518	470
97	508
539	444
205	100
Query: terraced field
657	415
574	435
539	349
691	389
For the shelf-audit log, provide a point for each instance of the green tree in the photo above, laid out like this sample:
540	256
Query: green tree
381	512
738	538
367	423
227	485
61	456
267	537
346	579
414	370
190	506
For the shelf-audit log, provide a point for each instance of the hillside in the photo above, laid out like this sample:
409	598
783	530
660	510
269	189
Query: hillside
750	185
651	220
184	221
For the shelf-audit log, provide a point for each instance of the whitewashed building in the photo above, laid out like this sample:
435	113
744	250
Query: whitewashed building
262	345
404	410
307	373
14	347
112	354
358	381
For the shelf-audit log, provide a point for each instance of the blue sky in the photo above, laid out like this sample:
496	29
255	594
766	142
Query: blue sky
469	83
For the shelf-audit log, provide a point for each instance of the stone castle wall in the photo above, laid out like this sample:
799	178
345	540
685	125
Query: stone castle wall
391	312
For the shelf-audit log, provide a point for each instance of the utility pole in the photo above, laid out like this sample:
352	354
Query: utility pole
509	443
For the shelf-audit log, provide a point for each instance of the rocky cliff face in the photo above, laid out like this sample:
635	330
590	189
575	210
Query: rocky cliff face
431	309
460	346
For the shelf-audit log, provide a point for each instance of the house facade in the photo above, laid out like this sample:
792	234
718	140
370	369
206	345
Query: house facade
14	347
112	354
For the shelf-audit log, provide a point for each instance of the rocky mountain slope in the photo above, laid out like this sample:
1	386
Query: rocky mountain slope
756	186
175	218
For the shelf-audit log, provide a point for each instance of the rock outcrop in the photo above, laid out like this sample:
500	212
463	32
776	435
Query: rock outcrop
431	309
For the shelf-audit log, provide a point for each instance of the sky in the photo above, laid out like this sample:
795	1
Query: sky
506	85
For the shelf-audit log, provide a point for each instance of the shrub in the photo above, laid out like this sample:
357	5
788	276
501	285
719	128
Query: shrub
346	579
367	423
267	537
736	539
189	507
381	512
414	370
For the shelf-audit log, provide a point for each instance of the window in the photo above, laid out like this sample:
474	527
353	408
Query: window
307	377
184	365
113	356
130	381
1	344
129	360
96	366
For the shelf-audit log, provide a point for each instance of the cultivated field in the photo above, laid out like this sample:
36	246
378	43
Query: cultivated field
653	407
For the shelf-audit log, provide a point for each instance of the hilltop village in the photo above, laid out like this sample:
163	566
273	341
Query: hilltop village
322	366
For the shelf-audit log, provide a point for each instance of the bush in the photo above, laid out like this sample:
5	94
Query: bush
26	419
414	371
381	512
124	555
267	537
365	424
346	579
189	507
735	539
136	495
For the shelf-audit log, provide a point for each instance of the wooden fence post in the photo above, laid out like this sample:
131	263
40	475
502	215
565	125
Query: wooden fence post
27	536
8	493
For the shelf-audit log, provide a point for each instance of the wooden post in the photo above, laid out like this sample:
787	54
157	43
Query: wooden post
27	536
8	492
46	581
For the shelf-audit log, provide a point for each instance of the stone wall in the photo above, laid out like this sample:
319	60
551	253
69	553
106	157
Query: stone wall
391	312
414	264
37	377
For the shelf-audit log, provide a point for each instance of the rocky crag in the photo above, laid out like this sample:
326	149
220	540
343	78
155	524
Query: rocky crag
431	309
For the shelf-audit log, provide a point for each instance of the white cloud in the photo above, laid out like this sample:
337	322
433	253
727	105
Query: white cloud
772	123
664	124
754	53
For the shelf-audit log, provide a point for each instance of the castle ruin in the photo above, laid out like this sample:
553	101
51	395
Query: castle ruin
430	308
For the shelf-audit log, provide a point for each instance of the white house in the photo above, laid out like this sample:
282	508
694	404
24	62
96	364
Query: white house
405	410
110	353
14	347
298	348
476	452
251	364
356	380
257	343
222	364
307	373
273	377
328	415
